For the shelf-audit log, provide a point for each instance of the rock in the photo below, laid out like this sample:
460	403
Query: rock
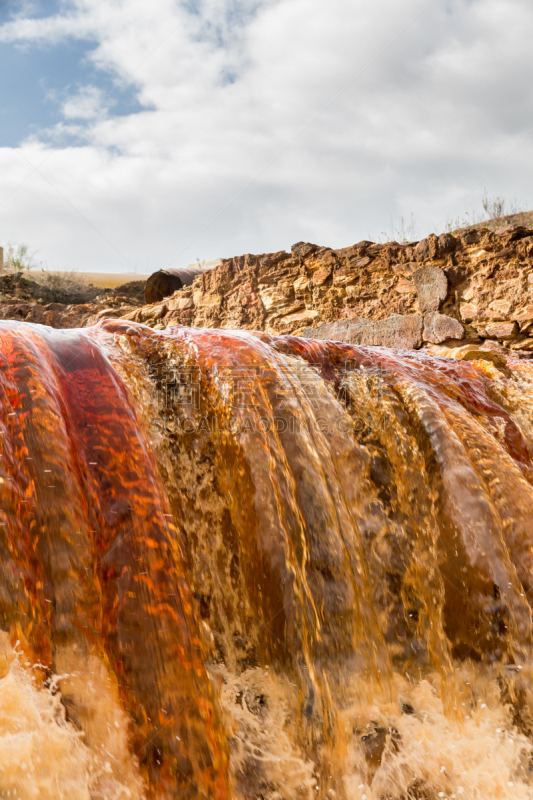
344	276
431	286
297	320
524	316
470	237
475	277
303	249
274	258
275	298
427	248
514	232
495	345
447	243
401	332
180	303
502	330
405	287
469	311
349	330
321	275
439	327
525	344
500	307
397	331
422	250
368	281
472	352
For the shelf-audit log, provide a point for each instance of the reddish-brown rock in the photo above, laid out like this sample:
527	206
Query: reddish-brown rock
478	278
502	330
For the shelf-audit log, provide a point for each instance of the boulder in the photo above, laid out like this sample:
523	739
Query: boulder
432	287
439	327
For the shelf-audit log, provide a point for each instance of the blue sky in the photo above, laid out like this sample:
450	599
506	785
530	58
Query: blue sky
246	125
38	78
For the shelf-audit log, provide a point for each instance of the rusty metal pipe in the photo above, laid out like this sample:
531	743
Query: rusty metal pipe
165	282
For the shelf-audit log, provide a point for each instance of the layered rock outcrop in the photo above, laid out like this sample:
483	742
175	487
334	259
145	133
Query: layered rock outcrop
471	287
474	287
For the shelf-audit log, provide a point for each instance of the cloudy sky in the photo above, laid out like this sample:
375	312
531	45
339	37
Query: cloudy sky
135	135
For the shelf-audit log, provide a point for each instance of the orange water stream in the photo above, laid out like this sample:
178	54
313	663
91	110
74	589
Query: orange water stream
262	568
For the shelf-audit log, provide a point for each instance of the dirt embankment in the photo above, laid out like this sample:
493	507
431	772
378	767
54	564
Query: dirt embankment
63	301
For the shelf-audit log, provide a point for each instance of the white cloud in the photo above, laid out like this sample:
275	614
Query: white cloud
86	102
48	29
271	121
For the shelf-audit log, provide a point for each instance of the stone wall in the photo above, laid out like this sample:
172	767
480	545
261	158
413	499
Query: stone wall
469	287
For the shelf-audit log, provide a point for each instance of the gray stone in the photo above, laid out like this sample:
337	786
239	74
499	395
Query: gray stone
439	327
431	286
401	332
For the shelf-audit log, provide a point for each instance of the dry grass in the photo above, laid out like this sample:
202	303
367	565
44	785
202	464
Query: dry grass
21	281
524	218
108	280
498	212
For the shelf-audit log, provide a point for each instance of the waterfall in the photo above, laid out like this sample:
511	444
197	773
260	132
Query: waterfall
243	566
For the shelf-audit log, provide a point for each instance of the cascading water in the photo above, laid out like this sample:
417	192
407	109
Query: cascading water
262	568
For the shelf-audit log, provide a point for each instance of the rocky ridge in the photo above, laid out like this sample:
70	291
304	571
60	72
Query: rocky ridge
473	287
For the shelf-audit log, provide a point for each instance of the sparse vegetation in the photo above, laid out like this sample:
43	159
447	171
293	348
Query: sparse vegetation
407	231
22	279
494	208
17	258
47	287
496	212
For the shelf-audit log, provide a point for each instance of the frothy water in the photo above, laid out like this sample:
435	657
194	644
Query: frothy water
421	752
263	568
42	754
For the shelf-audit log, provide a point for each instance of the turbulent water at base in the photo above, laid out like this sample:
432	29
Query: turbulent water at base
238	566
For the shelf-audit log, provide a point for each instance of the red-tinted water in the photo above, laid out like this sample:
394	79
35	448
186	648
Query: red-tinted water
300	569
